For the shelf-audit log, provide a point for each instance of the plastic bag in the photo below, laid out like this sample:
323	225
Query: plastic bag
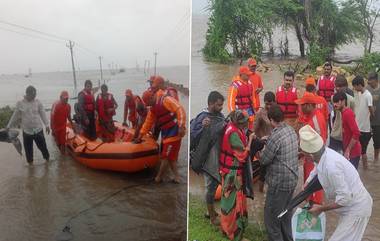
306	227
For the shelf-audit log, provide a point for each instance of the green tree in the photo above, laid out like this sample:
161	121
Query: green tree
237	29
369	11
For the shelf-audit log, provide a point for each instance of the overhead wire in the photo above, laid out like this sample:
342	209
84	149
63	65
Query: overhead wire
32	36
34	30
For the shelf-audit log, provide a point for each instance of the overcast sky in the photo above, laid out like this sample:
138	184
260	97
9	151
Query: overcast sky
122	31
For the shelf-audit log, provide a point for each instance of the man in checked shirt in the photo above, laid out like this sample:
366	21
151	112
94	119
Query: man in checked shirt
280	157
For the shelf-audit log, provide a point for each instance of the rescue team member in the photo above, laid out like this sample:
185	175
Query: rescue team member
30	112
86	108
158	83
257	82
130	104
106	106
314	118
141	113
241	94
60	114
345	191
326	86
286	95
322	103
234	153
170	118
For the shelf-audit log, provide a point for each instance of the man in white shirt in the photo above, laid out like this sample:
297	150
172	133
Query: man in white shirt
344	190
363	111
31	111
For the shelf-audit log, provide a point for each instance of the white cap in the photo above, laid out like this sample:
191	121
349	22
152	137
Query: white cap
310	140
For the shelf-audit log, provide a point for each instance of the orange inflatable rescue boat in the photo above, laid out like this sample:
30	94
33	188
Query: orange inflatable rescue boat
121	155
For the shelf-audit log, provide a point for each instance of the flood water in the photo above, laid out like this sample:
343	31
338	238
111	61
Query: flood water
36	202
206	77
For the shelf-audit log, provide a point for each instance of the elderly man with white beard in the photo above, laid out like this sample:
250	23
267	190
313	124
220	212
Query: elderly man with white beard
344	190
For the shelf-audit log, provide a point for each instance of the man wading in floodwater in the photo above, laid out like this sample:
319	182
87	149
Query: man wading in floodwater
31	111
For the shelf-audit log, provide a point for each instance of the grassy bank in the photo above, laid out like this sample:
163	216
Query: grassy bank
5	115
200	228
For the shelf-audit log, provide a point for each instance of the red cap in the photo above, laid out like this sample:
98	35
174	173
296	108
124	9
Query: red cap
64	94
245	70
252	61
157	81
128	92
307	98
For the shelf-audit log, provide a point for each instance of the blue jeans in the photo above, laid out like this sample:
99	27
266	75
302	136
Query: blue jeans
355	162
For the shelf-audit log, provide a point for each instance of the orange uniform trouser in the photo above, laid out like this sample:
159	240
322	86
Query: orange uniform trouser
308	166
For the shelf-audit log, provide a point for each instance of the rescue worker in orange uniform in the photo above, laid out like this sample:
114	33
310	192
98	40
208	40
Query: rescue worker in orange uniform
106	106
241	94
130	108
286	94
86	109
257	82
60	114
317	120
158	83
322	104
170	118
326	84
135	111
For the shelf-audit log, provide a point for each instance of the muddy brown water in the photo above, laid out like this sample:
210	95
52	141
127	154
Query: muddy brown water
206	77
37	201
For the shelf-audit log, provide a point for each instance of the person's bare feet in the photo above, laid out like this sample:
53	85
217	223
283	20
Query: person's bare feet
157	180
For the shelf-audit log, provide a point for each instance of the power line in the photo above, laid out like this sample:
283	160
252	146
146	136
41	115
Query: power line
32	36
34	30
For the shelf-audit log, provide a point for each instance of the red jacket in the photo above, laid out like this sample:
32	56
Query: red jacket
350	130
60	113
165	119
326	86
285	99
105	107
89	101
226	158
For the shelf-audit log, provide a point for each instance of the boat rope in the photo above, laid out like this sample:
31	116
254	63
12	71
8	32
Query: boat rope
66	233
86	148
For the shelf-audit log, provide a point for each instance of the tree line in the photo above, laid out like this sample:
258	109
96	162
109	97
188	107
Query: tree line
238	29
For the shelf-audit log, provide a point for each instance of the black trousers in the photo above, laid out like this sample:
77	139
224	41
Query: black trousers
90	129
275	202
364	139
39	139
336	145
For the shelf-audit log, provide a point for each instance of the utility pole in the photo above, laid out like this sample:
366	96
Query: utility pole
148	67
70	46
155	63
101	70
144	66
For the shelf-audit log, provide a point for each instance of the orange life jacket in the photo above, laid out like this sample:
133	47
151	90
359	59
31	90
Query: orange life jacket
89	101
243	99
326	87
319	124
165	118
226	158
104	105
58	117
285	99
